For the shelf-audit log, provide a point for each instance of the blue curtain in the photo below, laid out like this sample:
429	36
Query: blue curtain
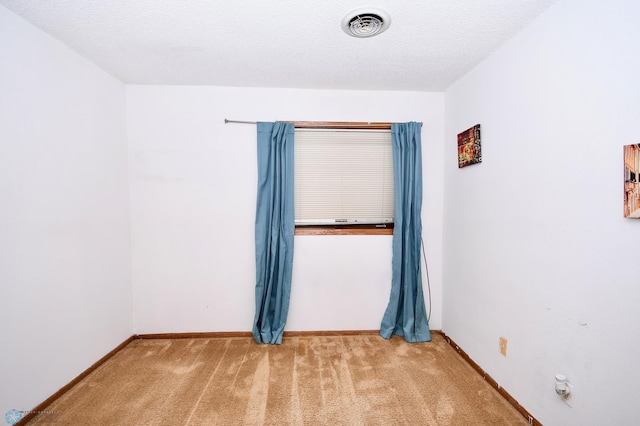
406	314
274	230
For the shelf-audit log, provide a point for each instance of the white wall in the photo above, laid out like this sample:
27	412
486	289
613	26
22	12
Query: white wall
536	246
65	288
193	194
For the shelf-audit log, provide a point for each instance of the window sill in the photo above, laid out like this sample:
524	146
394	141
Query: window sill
342	230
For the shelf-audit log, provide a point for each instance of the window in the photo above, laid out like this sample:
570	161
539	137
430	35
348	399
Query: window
343	181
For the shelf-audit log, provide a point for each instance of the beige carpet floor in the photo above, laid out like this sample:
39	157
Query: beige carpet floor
323	380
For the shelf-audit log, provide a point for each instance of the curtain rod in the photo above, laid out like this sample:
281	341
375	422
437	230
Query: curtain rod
327	124
238	121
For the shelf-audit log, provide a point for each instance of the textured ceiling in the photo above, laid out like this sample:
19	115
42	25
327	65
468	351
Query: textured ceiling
281	43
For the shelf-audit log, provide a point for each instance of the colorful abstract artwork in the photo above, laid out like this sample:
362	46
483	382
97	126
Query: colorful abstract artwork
631	178
469	151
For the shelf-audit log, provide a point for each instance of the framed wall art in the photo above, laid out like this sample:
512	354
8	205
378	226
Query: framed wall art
631	178
469	149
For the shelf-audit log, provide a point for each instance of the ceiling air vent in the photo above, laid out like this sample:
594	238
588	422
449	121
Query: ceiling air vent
365	22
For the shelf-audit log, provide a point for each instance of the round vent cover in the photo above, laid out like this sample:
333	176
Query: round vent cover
365	22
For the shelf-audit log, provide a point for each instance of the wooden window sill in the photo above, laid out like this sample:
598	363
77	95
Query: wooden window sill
342	230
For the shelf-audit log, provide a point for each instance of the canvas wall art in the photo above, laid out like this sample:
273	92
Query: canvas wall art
631	171
469	150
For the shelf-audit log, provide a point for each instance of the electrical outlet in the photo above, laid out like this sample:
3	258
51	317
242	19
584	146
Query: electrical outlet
503	346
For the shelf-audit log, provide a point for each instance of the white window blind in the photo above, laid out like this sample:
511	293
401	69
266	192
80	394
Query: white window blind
343	176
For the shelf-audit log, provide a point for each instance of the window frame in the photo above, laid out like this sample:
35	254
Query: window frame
372	229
